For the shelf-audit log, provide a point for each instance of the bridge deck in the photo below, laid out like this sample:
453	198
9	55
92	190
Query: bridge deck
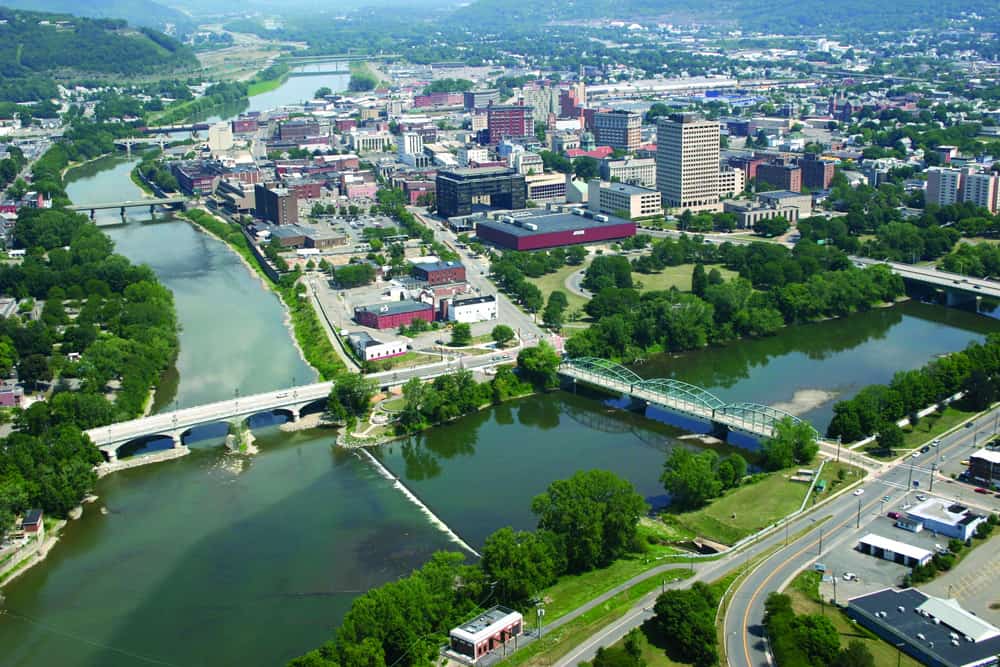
131	203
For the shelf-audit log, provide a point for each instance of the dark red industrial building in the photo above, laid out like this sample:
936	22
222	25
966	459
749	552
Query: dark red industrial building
548	229
439	273
393	314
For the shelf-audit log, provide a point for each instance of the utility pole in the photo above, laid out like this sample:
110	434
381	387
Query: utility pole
857	524
821	540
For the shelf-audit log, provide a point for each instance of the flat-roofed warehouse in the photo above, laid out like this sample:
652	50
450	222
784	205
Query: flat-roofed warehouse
458	190
473	640
538	228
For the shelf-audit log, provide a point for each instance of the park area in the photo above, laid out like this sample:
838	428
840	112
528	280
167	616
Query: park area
754	506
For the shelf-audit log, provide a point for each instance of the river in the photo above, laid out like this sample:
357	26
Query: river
216	559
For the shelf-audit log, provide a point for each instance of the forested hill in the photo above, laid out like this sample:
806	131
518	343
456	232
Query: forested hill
753	15
145	13
35	44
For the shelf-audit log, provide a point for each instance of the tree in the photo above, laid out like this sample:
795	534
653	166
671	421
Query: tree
586	168
522	563
539	365
461	334
350	397
576	255
731	471
699	281
775	226
793	441
595	514
502	334
323	91
690	478
33	370
687	616
855	654
890	436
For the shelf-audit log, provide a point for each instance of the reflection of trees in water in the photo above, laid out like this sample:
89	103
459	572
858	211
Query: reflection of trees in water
541	412
423	451
419	462
727	365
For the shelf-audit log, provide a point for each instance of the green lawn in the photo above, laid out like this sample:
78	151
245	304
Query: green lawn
571	591
752	507
675	276
394	404
934	425
805	600
557	281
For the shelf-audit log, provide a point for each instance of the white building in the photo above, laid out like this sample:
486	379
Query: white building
467	154
981	190
634	171
473	309
687	162
731	181
220	138
944	186
624	200
370	349
411	143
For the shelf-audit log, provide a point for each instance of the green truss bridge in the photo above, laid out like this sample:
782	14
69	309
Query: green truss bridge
686	399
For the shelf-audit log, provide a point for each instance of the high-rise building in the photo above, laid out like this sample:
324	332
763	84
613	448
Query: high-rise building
687	162
816	172
944	186
981	190
618	129
508	121
276	205
411	143
781	176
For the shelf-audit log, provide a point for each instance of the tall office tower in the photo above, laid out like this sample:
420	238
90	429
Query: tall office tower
687	162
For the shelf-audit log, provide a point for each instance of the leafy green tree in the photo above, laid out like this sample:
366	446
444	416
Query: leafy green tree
890	436
687	616
690	478
792	442
502	334
522	563
34	370
586	168
539	365
461	334
576	255
855	654
699	281
771	227
350	397
731	471
595	514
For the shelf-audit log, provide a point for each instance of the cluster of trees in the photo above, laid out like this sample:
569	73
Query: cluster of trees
793	443
630	324
362	79
975	370
350	398
607	271
693	479
687	616
584	522
771	227
555	310
392	203
11	165
979	260
217	95
448	85
706	222
121	321
808	640
355	275
159	174
684	250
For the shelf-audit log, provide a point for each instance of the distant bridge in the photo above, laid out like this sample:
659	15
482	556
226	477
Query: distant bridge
193	127
681	397
177	200
957	288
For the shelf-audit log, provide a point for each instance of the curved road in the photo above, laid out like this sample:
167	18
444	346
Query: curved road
744	635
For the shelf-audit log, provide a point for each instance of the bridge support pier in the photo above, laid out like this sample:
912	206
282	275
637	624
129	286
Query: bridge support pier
93	214
123	212
959	298
720	431
152	210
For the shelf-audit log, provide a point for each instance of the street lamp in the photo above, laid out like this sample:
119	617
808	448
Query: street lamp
539	612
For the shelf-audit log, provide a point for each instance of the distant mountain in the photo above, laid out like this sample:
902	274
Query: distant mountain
763	15
37	47
144	13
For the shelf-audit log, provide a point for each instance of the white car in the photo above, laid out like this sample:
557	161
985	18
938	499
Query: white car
916	454
850	576
858	492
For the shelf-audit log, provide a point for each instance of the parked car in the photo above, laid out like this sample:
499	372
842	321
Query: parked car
916	455
921	497
850	576
980	489
858	492
894	515
925	449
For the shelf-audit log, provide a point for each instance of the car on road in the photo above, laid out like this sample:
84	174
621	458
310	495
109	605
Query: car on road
885	499
921	497
969	425
850	576
965	462
980	489
925	449
937	443
893	515
858	492
916	455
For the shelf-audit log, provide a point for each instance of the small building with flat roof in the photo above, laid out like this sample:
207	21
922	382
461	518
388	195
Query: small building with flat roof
946	518
934	631
470	310
439	272
984	466
393	314
370	349
486	632
893	550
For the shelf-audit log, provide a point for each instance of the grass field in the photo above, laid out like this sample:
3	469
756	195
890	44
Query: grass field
557	281
752	507
805	600
675	276
934	425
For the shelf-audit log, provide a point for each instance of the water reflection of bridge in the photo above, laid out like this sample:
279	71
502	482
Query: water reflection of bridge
680	397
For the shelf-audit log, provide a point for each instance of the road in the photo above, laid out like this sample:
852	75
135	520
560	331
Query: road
744	636
834	519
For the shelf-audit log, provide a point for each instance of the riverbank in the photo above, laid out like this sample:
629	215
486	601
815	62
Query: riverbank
31	555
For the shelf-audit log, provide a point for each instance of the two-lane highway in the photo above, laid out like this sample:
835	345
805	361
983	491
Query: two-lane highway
744	634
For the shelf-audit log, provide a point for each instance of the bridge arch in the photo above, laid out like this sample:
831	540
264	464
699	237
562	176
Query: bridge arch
606	368
684	391
755	414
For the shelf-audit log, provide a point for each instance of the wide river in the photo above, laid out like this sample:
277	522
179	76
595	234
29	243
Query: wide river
214	559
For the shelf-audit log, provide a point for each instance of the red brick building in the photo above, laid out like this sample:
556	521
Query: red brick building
781	176
439	273
393	314
816	173
552	230
508	121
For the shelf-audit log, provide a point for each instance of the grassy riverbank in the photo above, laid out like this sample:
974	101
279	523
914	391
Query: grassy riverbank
267	85
308	330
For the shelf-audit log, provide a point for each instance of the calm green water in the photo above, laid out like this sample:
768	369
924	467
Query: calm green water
213	560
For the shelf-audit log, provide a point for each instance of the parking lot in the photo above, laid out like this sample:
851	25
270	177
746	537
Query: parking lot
871	573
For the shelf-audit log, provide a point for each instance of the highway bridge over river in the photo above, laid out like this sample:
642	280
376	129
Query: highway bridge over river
152	203
957	288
